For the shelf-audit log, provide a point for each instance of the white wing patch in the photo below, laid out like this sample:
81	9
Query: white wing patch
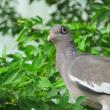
102	88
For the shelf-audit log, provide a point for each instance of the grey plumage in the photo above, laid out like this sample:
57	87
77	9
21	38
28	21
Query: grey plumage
88	71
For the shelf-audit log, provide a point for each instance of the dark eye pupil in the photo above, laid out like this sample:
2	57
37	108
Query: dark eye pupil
63	30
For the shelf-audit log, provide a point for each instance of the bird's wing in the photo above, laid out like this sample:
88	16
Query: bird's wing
91	72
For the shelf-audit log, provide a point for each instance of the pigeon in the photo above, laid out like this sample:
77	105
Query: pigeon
83	74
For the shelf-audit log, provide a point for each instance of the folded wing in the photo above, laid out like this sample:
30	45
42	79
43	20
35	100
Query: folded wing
91	72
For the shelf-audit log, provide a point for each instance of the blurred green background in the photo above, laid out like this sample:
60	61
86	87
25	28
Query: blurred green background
28	77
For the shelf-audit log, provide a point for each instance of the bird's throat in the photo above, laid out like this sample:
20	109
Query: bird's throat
64	54
65	48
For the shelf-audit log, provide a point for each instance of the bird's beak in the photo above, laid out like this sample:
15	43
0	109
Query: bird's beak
50	37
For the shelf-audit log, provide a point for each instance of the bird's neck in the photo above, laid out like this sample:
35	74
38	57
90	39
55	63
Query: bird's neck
65	48
64	54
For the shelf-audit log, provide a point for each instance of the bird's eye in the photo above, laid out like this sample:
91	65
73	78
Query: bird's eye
64	30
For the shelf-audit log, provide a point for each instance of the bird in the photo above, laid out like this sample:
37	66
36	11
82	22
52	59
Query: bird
84	74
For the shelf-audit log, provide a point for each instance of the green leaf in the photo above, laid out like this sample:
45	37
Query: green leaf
80	100
4	52
3	69
82	45
52	93
58	84
38	20
63	101
44	82
22	36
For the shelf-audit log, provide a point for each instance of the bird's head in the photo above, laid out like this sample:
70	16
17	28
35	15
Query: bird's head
59	34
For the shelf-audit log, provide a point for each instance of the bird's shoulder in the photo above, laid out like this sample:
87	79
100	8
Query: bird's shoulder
92	72
90	65
90	59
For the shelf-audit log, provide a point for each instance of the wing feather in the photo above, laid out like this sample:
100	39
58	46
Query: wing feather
91	72
102	88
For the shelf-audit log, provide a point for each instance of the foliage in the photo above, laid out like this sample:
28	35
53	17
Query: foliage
28	78
77	10
89	38
8	18
66	10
